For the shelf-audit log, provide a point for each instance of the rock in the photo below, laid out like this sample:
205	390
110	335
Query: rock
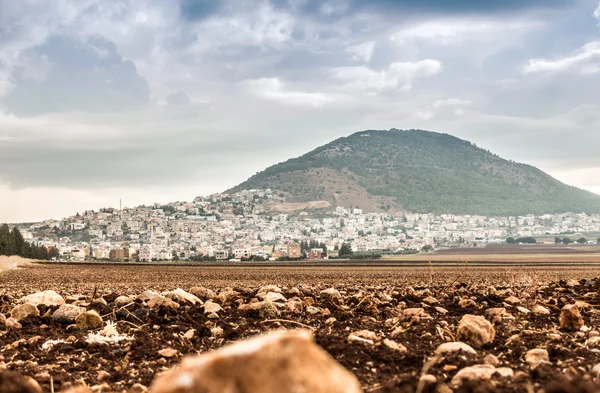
512	300
491	359
2	320
394	345
203	293
570	318
441	310
226	294
89	320
540	310
168	352
265	309
427	379
23	311
266	289
12	323
596	370
274	297
102	375
46	298
67	313
294	291
99	302
161	301
523	310
211	307
12	382
123	301
464	303
312	310
282	362
475	330
183	297
536	356
147	295
479	372
573	283
86	389
414	314
454	347
189	334
430	300
593	342
138	388
330	294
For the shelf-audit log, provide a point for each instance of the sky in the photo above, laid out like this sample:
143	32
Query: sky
158	101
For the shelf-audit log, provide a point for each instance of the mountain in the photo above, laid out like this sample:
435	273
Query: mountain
420	171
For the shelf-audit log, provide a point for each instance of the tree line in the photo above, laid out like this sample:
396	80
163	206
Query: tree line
13	243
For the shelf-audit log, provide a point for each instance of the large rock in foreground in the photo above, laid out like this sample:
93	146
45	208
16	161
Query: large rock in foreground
11	382
475	330
280	362
46	298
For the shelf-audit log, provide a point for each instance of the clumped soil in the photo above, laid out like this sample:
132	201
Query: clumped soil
371	299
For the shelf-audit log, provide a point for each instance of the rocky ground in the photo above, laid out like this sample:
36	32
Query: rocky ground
115	329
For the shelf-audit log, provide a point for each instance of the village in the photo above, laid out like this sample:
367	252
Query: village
243	226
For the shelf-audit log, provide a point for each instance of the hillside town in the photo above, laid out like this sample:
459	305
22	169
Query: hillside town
250	225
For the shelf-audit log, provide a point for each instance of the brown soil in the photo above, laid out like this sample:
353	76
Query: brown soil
365	305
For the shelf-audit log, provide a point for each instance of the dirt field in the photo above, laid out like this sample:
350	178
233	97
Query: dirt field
371	298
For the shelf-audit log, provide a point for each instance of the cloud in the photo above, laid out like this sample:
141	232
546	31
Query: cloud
448	107
585	61
597	12
274	89
178	98
362	52
397	76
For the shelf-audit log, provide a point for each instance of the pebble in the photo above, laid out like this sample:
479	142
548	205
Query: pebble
23	311
593	342
67	313
138	388
570	318
203	293
535	357
454	347
540	310
45	298
523	310
394	345
168	352
464	303
211	307
491	359
161	301
12	323
226	294
123	301
189	334
89	320
312	310
596	370
430	300
512	300
2	320
280	362
330	294
183	297
475	330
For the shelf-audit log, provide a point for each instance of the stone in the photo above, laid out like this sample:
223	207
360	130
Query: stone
138	388
23	311
265	309
212	307
148	295
464	303
262	291
226	294
540	310
280	362
414	314
89	320
12	382
2	320
12	323
189	334
67	313
491	359
203	293
168	352
391	344
523	310
87	389
45	298
479	372
430	300
330	294
427	379
441	310
535	357
122	301
183	297
512	300
570	318
454	347
596	370
102	375
312	310
99	302
475	330
593	342
274	297
161	301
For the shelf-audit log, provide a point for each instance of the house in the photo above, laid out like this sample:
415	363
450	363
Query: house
315	253
294	251
221	254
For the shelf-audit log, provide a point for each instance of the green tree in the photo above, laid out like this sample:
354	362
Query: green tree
511	240
582	240
4	239
18	241
345	250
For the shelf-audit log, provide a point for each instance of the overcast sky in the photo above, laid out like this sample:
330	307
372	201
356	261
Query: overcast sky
157	101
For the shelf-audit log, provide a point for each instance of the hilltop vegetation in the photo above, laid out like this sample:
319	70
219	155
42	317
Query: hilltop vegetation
420	171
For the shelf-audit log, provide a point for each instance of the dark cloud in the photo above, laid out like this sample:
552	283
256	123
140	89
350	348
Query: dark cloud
194	10
88	76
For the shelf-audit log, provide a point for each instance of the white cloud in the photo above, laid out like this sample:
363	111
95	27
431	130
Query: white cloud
597	12
398	76
586	61
452	31
450	102
362	52
274	89
445	107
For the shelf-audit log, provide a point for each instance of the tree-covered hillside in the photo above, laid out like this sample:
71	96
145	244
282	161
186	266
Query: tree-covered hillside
424	171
